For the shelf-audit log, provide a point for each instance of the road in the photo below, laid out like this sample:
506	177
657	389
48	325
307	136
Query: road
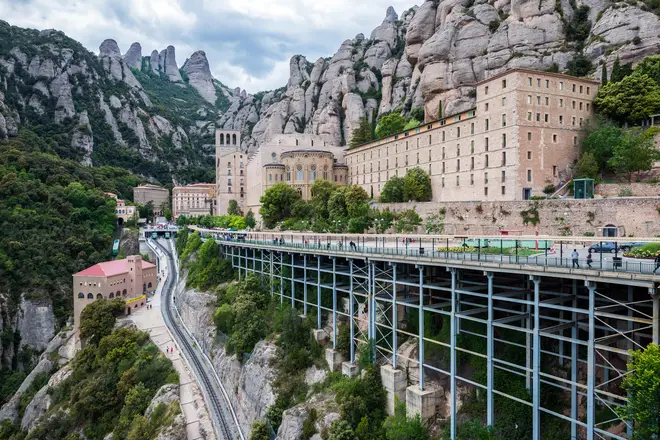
223	418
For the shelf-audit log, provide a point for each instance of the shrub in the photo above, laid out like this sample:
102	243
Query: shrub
493	26
650	250
549	189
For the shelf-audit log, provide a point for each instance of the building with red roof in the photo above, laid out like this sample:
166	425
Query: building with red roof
131	279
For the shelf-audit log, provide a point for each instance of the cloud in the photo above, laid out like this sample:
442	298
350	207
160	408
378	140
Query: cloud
248	42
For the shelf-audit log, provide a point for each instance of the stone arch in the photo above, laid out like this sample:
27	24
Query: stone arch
149	285
90	296
81	295
222	138
144	287
233	138
123	293
118	294
111	296
99	296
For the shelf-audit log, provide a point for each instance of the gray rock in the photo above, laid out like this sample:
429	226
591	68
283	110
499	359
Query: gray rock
154	60
133	57
170	67
422	27
109	48
82	138
199	75
10	410
37	407
297	71
60	88
36	320
166	394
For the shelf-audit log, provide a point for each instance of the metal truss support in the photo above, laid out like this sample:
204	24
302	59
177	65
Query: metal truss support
318	292
490	352
591	363
351	307
574	366
272	269
420	348
334	303
281	279
656	316
293	282
536	363
528	342
395	319
305	284
452	355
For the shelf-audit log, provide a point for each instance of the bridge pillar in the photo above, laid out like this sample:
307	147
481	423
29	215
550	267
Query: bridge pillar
281	278
591	363
536	363
293	282
305	285
334	303
350	369
656	316
395	319
351	311
420	348
452	356
334	359
490	351
422	402
574	364
394	381
318	292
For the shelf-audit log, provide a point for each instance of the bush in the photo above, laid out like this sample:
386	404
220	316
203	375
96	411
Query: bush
649	251
493	26
549	189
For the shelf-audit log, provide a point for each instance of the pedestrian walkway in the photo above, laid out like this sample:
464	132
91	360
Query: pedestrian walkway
150	320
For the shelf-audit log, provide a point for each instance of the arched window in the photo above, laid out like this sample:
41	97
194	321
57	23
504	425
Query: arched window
81	295
123	293
144	287
112	295
222	138
90	296
233	139
149	285
99	296
118	294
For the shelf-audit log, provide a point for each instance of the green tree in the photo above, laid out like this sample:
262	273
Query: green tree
649	66
632	99
634	153
602	136
412	123
390	124
417	185
382	220
277	204
417	113
619	72
321	192
579	65
341	430
98	319
362	134
408	221
586	167
603	75
259	431
393	190
147	211
357	202
233	208
401	427
643	387
250	221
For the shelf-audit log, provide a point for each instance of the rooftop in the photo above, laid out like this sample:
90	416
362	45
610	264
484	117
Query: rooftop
537	72
306	150
150	186
110	268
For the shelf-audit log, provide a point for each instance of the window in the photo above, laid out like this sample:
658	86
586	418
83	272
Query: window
538	117
547	101
443	179
503	140
538	100
573	88
503	120
588	91
486	144
573	120
503	189
312	176
554	138
529	99
472	163
81	295
504	84
561	119
580	106
472	147
547	84
270	177
299	175
574	140
486	191
487	124
472	128
90	296
443	152
443	136
561	85
503	158
503	101
529	116
546	117
443	167
573	103
486	161
561	102
458	180
458	165
471	179
529	135
580	89
458	132
486	178
554	170
458	150
503	176
529	175
538	82
529	80
486	90
529	155
587	106
486	107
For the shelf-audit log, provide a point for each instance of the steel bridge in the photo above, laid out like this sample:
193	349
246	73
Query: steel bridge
557	330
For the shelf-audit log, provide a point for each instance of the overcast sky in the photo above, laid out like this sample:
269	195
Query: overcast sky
248	42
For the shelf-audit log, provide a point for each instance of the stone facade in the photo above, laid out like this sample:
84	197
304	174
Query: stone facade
130	279
635	189
632	216
157	195
194	200
123	212
523	135
230	169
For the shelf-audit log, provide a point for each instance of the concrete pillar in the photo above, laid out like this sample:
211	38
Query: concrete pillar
349	369
422	402
334	359
395	383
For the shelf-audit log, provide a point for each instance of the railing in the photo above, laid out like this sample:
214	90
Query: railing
542	259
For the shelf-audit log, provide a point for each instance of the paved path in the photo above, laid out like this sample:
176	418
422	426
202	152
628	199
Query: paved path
192	401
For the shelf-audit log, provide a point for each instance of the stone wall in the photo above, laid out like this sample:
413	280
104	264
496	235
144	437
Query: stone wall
637	189
637	216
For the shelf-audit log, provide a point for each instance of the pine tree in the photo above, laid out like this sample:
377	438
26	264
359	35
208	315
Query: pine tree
362	133
603	75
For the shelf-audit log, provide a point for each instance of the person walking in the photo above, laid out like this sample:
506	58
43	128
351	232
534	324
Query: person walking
657	263
589	260
575	256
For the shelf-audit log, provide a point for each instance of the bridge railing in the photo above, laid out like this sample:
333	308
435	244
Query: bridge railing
540	258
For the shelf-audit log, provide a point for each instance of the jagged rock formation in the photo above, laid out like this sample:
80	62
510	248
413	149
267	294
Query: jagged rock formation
36	323
199	75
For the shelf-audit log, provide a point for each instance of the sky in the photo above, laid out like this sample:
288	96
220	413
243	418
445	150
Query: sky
248	42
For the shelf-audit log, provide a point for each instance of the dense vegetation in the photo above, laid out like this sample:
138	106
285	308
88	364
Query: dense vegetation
113	380
414	186
387	125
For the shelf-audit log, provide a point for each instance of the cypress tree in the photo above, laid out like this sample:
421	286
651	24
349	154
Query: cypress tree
603	75
616	71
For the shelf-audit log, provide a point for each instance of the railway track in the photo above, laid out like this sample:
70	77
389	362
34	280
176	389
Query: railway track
218	409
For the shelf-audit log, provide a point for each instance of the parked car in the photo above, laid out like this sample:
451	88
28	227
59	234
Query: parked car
606	246
627	246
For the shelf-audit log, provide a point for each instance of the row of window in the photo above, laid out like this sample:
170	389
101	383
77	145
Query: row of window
574	87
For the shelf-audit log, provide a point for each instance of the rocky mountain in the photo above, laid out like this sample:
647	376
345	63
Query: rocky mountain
148	115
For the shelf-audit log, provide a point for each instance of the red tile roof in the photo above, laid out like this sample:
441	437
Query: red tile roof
110	268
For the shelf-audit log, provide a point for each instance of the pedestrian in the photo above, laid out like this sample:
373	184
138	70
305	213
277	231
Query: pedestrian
589	260
657	263
575	256
352	245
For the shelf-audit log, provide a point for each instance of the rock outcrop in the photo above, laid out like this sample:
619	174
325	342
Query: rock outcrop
133	57
168	62
199	75
82	138
36	323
